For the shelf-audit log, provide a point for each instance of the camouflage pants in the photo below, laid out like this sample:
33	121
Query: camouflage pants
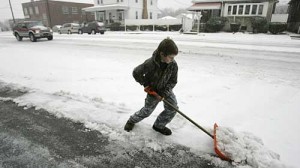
150	104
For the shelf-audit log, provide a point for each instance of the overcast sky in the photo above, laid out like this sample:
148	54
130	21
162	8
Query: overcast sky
5	12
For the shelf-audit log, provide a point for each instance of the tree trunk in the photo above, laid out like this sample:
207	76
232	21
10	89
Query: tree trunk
145	10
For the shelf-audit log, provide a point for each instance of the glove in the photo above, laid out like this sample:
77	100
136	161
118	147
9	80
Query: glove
150	91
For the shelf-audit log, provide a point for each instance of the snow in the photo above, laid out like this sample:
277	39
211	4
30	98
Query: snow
245	148
244	82
168	17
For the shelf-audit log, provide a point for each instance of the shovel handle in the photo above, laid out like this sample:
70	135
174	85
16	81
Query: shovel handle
181	113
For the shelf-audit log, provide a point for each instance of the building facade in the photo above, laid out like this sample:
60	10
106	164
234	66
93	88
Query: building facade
56	12
236	11
294	16
111	11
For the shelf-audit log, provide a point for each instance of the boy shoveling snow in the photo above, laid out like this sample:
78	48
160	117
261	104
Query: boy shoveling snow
158	75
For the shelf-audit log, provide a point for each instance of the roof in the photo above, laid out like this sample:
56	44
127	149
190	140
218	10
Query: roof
28	21
106	7
168	17
187	15
204	6
201	1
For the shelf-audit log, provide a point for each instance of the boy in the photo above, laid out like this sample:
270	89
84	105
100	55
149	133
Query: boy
158	74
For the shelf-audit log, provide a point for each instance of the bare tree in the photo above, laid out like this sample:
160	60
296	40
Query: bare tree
145	10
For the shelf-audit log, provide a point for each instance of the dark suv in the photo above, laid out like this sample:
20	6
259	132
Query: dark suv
32	29
92	28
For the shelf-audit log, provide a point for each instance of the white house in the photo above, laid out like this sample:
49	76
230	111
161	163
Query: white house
110	11
236	11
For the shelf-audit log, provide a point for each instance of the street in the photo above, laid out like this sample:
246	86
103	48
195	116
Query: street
70	97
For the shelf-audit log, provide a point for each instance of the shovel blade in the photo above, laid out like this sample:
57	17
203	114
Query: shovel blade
217	150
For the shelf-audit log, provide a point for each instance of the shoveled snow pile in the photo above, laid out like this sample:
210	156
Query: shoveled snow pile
245	149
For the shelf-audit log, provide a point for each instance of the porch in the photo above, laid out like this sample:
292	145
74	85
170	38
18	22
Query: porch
204	11
109	14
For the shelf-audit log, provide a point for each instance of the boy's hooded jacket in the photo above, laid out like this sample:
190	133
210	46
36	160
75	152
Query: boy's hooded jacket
162	78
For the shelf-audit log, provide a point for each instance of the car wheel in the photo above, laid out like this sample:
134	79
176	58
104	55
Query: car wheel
101	32
18	37
50	38
32	38
59	32
69	32
93	32
80	32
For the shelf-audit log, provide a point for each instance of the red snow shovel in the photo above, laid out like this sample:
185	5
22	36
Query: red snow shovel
214	137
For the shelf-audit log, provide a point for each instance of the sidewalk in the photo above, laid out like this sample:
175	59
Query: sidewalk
36	138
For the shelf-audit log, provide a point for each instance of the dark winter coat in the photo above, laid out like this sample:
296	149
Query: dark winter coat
160	76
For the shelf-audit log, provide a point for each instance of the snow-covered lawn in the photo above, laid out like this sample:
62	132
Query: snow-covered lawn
249	83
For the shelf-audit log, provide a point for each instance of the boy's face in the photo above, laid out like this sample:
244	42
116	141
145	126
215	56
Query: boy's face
168	59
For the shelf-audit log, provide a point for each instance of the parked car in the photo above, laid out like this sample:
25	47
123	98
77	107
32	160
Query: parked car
56	28
69	28
32	29
92	28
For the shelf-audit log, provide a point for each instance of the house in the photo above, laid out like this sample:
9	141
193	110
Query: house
236	11
56	12
110	11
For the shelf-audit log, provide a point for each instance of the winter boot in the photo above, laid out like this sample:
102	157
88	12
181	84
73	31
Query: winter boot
164	130
128	126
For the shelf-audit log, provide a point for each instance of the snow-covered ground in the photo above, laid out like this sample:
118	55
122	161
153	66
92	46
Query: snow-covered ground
244	82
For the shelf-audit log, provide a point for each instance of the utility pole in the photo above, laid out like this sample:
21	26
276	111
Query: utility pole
199	15
12	11
49	15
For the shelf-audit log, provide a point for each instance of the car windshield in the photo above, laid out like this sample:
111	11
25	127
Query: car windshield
32	24
75	25
100	24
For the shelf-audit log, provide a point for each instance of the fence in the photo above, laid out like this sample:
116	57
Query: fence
152	22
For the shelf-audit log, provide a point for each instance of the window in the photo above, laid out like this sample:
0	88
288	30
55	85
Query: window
254	9
25	11
229	10
110	17
136	1
247	10
65	10
120	16
234	10
36	8
98	2
136	15
241	9
44	16
74	10
150	15
260	9
101	1
151	2
118	1
30	11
